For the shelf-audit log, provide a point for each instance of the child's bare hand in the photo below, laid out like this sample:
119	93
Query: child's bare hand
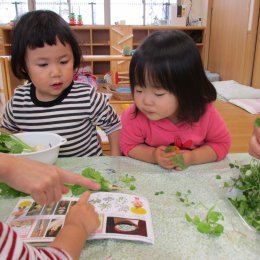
163	158
83	215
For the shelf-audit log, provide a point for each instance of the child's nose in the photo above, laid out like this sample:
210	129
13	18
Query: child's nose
147	100
55	71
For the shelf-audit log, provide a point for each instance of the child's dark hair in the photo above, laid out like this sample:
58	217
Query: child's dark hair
171	60
33	30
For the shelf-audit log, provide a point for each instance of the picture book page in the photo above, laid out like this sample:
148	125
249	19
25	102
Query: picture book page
122	216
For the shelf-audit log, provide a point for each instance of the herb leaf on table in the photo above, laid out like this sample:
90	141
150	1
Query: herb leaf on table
208	225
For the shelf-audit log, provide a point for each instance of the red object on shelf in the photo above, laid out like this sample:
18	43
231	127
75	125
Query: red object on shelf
116	77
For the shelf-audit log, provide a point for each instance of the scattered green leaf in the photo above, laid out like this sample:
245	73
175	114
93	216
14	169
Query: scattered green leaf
208	225
184	198
226	184
132	187
159	193
129	181
218	177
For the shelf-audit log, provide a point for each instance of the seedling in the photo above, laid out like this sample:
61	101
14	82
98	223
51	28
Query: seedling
159	193
208	225
184	198
129	181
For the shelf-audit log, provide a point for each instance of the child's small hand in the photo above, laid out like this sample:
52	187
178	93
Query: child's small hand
83	216
170	157
164	158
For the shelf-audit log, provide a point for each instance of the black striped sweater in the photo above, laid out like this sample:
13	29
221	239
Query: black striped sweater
74	115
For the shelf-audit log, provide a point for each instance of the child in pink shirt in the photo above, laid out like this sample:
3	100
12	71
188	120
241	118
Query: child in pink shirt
173	105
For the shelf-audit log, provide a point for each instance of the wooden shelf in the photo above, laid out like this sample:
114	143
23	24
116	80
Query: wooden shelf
102	46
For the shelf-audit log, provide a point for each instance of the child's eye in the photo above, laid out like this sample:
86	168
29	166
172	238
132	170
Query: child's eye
159	94
42	65
64	61
138	90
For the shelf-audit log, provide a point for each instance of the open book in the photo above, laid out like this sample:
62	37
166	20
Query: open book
122	216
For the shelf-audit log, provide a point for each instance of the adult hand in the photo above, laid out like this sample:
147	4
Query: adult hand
45	183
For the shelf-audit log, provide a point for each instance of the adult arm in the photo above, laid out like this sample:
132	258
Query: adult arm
44	182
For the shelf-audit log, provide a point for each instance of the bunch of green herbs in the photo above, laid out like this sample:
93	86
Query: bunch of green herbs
248	182
8	192
9	143
92	174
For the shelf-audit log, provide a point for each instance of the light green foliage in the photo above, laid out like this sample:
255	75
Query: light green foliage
8	192
184	198
94	175
178	158
179	161
226	184
159	193
208	225
129	181
9	143
248	181
127	50
257	122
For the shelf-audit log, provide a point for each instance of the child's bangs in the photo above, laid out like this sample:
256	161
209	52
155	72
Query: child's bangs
146	76
38	39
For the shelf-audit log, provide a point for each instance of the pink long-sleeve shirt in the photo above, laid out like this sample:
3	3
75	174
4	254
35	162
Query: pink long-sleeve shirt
209	130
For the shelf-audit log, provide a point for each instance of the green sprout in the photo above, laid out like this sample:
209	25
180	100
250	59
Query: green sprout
208	225
129	181
184	198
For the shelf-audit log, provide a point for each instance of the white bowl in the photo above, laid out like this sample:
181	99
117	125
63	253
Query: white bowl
50	141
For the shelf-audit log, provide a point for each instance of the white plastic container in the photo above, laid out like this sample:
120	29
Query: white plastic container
50	141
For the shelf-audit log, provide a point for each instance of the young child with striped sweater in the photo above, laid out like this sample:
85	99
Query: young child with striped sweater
46	53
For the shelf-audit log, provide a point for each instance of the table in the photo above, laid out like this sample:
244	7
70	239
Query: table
174	237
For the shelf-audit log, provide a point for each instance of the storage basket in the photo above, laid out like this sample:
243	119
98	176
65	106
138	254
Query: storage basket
120	92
